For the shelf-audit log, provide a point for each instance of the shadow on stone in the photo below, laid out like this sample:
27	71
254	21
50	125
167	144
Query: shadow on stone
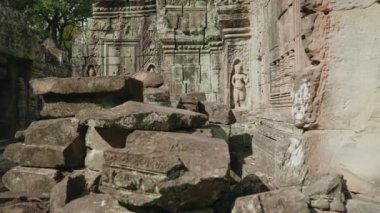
240	147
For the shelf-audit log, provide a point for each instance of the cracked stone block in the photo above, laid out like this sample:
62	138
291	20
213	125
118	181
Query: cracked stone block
139	116
172	171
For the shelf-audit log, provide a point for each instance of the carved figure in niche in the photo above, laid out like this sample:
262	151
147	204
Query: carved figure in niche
239	81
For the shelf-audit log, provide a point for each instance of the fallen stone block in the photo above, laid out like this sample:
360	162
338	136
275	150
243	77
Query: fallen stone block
92	179
25	207
50	143
249	185
100	139
149	79
157	96
55	132
94	203
64	109
64	97
326	193
70	188
282	200
191	101
218	113
32	181
84	85
71	156
354	206
172	171
139	116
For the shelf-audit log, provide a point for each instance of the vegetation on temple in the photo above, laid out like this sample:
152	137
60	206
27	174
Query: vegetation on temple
59	19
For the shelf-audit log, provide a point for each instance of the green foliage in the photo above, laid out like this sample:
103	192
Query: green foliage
59	19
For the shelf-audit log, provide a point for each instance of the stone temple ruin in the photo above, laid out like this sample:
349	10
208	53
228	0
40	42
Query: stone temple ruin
200	106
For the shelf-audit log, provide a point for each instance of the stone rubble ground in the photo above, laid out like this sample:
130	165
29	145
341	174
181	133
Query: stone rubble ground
138	157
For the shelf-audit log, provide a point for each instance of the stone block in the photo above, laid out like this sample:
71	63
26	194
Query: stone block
64	97
172	171
100	139
86	85
218	113
70	188
361	206
32	181
157	96
149	79
65	109
25	207
138	116
282	200
94	203
50	143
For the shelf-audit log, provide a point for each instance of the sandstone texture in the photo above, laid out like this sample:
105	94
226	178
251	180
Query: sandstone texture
157	96
276	108
32	181
172	171
70	188
64	97
94	203
283	200
50	143
138	116
88	85
218	113
362	206
149	79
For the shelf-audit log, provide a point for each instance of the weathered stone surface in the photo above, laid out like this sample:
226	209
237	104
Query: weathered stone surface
218	113
32	181
193	97
100	139
191	101
64	109
321	203
149	79
26	207
326	193
134	115
55	132
282	200
354	206
87	85
70	188
50	143
249	185
46	156
173	171
94	203
157	96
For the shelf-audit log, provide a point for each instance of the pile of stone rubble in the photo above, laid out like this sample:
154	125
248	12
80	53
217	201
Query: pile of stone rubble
99	149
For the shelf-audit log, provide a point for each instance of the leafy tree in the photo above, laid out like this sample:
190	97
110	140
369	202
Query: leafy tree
58	19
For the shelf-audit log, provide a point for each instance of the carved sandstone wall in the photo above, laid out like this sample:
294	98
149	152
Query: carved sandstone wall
308	87
316	90
193	44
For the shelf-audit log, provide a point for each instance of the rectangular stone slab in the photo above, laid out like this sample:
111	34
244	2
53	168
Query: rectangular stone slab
83	85
168	170
65	109
32	181
139	116
71	156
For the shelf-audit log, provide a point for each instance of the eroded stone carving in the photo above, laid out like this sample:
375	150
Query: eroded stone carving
239	81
